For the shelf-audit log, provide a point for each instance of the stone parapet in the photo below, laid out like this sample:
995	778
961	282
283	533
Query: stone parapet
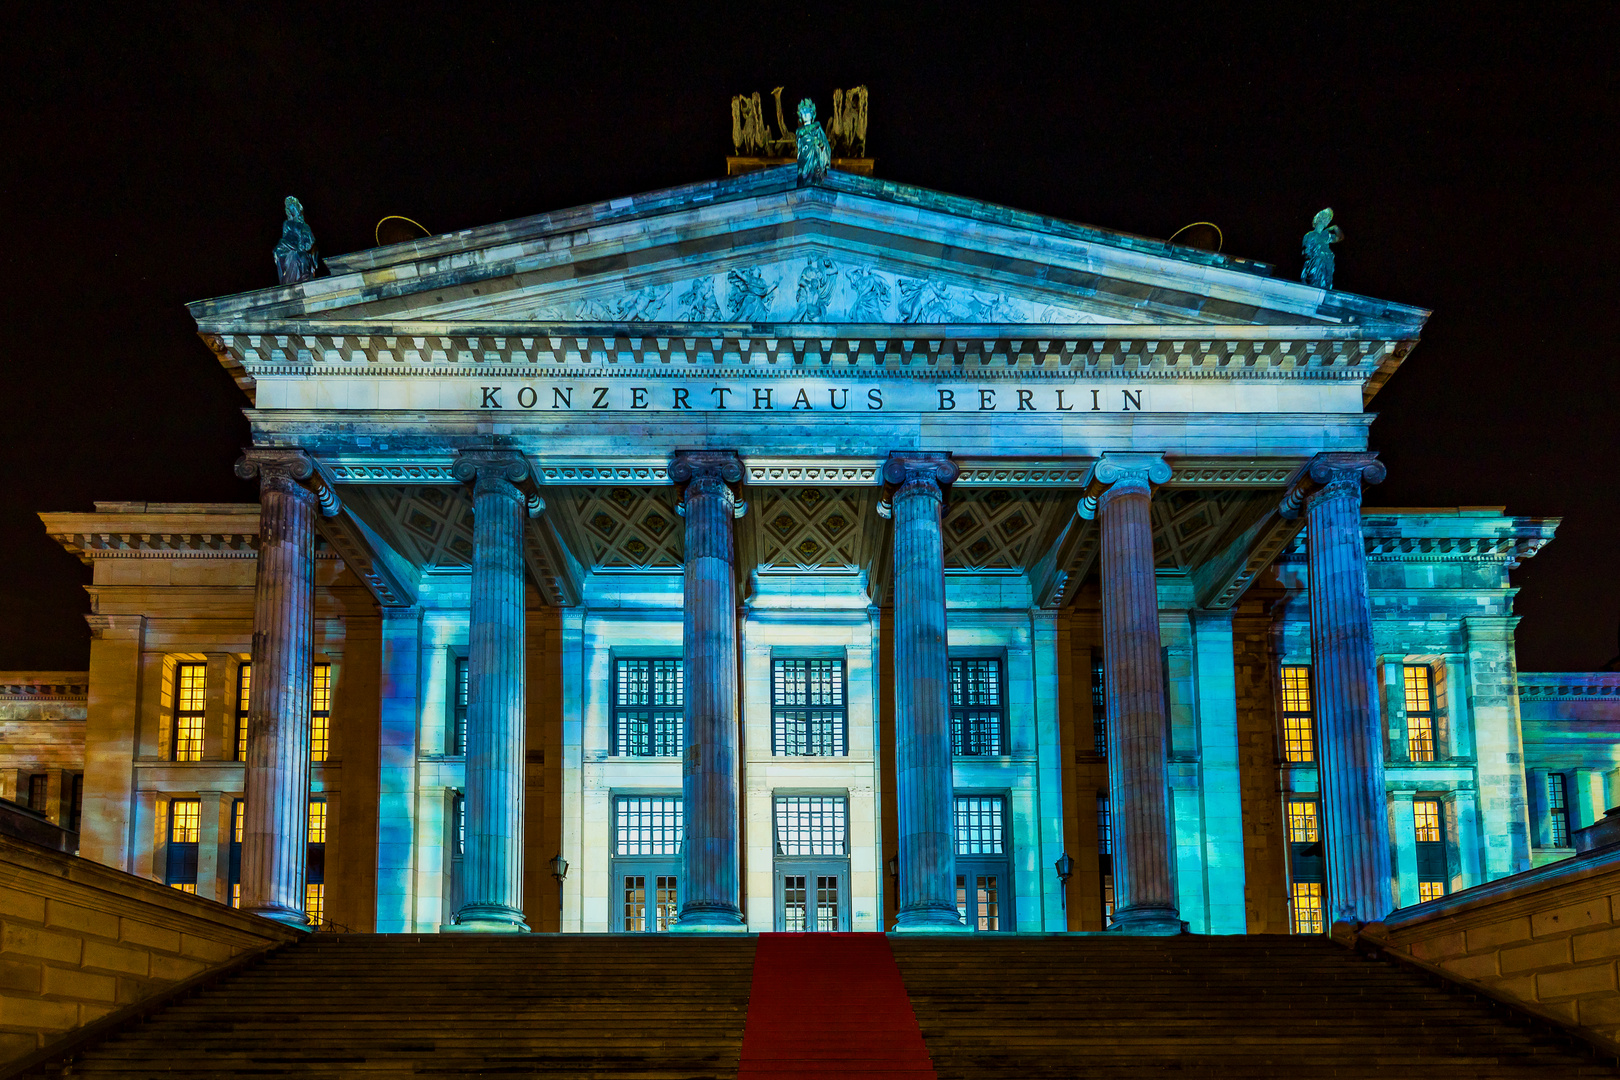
79	940
1548	939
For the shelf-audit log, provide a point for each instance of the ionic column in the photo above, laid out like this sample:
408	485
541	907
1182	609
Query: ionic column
1344	687
709	784
1119	494
922	715
492	860
276	785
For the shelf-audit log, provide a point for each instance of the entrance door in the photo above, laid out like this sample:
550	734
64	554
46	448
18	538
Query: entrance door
812	895
645	896
983	893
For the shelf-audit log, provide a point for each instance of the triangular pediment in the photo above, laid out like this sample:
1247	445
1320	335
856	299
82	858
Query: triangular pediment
764	250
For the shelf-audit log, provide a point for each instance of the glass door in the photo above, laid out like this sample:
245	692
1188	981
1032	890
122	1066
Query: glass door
812	896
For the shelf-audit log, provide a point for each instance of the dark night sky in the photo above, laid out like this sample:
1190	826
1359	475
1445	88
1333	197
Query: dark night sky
1469	157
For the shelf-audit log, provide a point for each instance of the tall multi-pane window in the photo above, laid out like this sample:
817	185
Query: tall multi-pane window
1099	705
244	685
978	708
39	788
649	702
1299	728
812	894
73	801
320	715
1305	866
809	715
1420	741
185	830
238	811
315	874
190	699
1558	809
458	710
981	860
1429	828
647	841
812	825
1105	855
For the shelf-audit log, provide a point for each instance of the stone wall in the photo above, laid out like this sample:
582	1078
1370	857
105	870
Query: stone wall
1549	939
79	940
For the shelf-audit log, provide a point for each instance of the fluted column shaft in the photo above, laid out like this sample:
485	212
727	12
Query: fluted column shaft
709	886
922	716
492	859
1144	879
1354	814
276	785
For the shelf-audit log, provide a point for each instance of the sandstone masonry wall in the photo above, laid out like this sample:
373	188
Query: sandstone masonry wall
79	940
1549	938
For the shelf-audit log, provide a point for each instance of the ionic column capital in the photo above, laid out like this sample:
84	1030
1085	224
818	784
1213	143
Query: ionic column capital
1119	474
497	472
290	471
707	472
910	473
1328	476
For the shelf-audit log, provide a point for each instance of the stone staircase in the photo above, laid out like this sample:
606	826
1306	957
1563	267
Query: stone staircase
456	1005
660	1008
1243	1008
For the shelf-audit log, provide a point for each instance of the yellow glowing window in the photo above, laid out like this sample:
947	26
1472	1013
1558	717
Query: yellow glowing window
190	698
1426	817
315	903
1302	827
317	822
1299	736
320	726
1430	890
244	682
236	895
1307	907
185	820
185	886
1419	713
238	813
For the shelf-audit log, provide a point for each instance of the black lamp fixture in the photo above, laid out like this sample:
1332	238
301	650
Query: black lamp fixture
559	868
894	866
1065	870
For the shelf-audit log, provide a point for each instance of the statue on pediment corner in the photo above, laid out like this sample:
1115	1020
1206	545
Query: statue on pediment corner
296	258
698	303
815	154
871	296
815	289
749	295
1318	254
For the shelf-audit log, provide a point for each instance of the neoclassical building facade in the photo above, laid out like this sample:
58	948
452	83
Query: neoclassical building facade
781	553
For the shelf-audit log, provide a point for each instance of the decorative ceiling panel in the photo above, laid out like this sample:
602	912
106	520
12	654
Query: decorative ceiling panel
997	528
811	528
1189	523
431	523
629	528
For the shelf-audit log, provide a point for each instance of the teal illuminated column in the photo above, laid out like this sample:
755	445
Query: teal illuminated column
276	785
922	716
492	858
1355	815
709	892
1119	496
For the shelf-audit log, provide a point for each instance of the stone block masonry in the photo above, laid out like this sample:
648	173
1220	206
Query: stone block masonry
79	940
1549	938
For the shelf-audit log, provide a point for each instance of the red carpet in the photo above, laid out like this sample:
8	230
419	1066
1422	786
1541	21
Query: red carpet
829	1005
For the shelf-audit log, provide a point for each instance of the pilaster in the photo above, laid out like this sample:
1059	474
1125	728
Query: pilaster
111	723
398	704
1403	830
1493	693
1220	785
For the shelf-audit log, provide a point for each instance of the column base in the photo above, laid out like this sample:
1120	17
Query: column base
1148	922
930	920
716	920
486	919
286	916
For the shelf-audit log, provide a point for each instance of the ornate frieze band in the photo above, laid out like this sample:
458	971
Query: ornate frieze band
1567	685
